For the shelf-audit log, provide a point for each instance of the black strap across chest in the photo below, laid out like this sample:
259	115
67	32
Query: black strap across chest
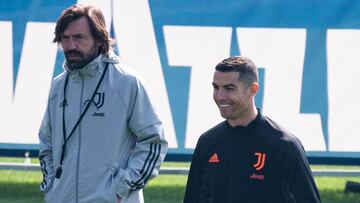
66	138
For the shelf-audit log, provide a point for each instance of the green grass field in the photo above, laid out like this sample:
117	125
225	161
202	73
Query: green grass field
23	186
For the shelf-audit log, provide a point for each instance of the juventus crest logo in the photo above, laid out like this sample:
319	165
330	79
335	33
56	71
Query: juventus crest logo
98	100
260	161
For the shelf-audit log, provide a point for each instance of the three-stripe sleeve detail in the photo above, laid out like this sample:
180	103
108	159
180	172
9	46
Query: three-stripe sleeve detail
148	167
43	167
45	172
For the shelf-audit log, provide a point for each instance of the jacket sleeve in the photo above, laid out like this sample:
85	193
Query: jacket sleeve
45	153
197	188
150	147
298	175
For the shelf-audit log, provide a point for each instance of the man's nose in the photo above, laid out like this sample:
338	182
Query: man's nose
219	94
71	44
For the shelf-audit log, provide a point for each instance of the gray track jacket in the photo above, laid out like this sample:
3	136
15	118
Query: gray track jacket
117	147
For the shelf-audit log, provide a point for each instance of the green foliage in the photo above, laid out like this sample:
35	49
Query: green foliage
332	189
20	186
18	160
334	167
23	187
165	189
176	164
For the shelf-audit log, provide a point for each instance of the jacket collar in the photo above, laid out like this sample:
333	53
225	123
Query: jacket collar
93	68
253	125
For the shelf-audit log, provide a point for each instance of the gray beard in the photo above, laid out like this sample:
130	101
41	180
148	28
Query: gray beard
79	64
85	59
76	66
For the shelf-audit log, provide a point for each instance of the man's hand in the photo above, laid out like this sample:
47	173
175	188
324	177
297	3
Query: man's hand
118	198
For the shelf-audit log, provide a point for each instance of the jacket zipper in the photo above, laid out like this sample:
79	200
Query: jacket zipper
78	157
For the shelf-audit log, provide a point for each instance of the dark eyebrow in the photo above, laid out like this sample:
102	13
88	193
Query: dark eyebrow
229	85
224	86
76	35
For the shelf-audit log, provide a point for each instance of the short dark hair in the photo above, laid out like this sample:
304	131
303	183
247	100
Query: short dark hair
248	72
96	23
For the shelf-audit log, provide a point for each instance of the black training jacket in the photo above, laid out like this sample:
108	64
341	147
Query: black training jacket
260	163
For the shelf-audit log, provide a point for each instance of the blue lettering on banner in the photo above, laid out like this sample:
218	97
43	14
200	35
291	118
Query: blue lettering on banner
306	52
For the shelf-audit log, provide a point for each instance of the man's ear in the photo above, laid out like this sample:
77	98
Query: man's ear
254	87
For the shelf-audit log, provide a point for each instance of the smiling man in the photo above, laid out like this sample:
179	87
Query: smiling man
248	157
